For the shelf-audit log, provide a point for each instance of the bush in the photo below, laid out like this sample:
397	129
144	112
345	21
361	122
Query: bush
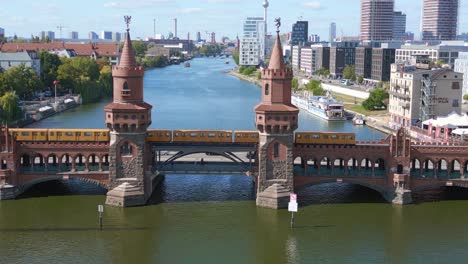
465	97
376	100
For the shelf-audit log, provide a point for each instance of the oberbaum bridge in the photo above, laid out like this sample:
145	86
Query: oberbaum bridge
125	158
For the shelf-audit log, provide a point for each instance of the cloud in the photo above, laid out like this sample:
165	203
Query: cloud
190	10
223	1
129	4
313	4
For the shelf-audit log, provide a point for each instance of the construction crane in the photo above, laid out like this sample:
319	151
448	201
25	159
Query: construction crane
60	27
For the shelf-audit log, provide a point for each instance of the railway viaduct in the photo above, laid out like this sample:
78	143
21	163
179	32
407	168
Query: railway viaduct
395	167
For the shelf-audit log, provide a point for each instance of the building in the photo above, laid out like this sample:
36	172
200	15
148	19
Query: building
2	33
116	36
307	61
199	36
47	34
377	20
106	35
322	57
296	57
461	65
213	38
73	35
382	59
399	26
95	51
409	36
418	94
93	35
446	52
29	58
364	62
314	38
332	32
340	58
300	32
440	19
252	44
158	50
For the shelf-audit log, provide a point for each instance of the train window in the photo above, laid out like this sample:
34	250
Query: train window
176	134
255	135
334	136
59	134
202	134
42	134
238	135
228	135
211	135
168	135
351	137
88	134
315	136
150	134
246	135
307	136
183	134
193	134
69	134
78	134
25	133
52	134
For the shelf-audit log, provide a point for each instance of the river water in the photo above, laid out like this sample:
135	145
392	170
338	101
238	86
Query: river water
213	219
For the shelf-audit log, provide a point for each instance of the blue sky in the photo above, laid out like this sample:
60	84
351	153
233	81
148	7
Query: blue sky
224	17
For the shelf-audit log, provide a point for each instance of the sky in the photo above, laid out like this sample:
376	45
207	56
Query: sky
224	17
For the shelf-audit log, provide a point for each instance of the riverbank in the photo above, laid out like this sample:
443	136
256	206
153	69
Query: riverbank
250	79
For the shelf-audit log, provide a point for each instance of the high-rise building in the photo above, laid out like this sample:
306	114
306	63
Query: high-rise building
252	44
399	26
364	62
213	38
300	32
382	60
440	19
198	36
73	35
377	20
2	33
461	65
106	35
332	32
116	36
314	38
48	34
93	35
340	58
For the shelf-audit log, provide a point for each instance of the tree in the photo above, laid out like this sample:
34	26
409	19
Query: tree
139	48
10	106
349	73
376	100
323	72
360	79
465	97
235	56
49	66
81	75
21	79
295	84
315	86
249	70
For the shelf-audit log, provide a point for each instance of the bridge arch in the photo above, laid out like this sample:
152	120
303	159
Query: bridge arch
94	162
442	169
80	162
428	169
66	162
380	189
28	185
416	168
179	155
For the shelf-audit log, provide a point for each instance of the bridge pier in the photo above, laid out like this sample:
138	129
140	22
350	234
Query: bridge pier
401	193
8	192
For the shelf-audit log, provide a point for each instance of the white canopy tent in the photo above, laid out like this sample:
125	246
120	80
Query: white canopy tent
452	120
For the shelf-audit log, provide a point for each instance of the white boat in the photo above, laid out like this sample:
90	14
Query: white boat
321	106
358	121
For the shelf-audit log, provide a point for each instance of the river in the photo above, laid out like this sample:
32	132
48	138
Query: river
213	219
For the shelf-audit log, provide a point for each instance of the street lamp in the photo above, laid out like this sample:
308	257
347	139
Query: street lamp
55	84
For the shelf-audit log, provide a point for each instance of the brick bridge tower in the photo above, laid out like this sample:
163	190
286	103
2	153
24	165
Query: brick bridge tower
128	118
276	119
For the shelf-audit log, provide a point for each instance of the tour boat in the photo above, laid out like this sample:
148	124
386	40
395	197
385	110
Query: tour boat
358	121
321	106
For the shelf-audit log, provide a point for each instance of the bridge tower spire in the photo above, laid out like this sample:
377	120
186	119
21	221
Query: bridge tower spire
128	118
276	119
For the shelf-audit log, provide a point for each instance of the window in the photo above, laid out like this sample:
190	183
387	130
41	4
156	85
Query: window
455	103
276	150
88	134
126	149
126	90
455	85
267	89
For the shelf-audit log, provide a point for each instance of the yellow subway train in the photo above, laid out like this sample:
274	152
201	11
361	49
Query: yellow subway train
177	136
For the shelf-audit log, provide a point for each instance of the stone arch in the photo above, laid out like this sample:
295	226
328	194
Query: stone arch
325	166
428	169
52	162
300	166
416	168
465	169
313	166
380	189
80	162
66	162
339	167
127	149
105	162
26	186
352	168
365	167
443	169
94	162
38	161
456	169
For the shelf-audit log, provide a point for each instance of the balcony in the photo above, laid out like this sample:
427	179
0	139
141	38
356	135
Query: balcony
405	105
400	95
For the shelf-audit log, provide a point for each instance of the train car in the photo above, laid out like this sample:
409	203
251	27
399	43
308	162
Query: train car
79	135
159	136
29	134
202	136
328	138
246	136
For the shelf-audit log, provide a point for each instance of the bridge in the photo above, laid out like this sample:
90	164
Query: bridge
129	160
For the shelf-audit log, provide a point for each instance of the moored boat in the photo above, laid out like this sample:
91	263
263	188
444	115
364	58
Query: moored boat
321	106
